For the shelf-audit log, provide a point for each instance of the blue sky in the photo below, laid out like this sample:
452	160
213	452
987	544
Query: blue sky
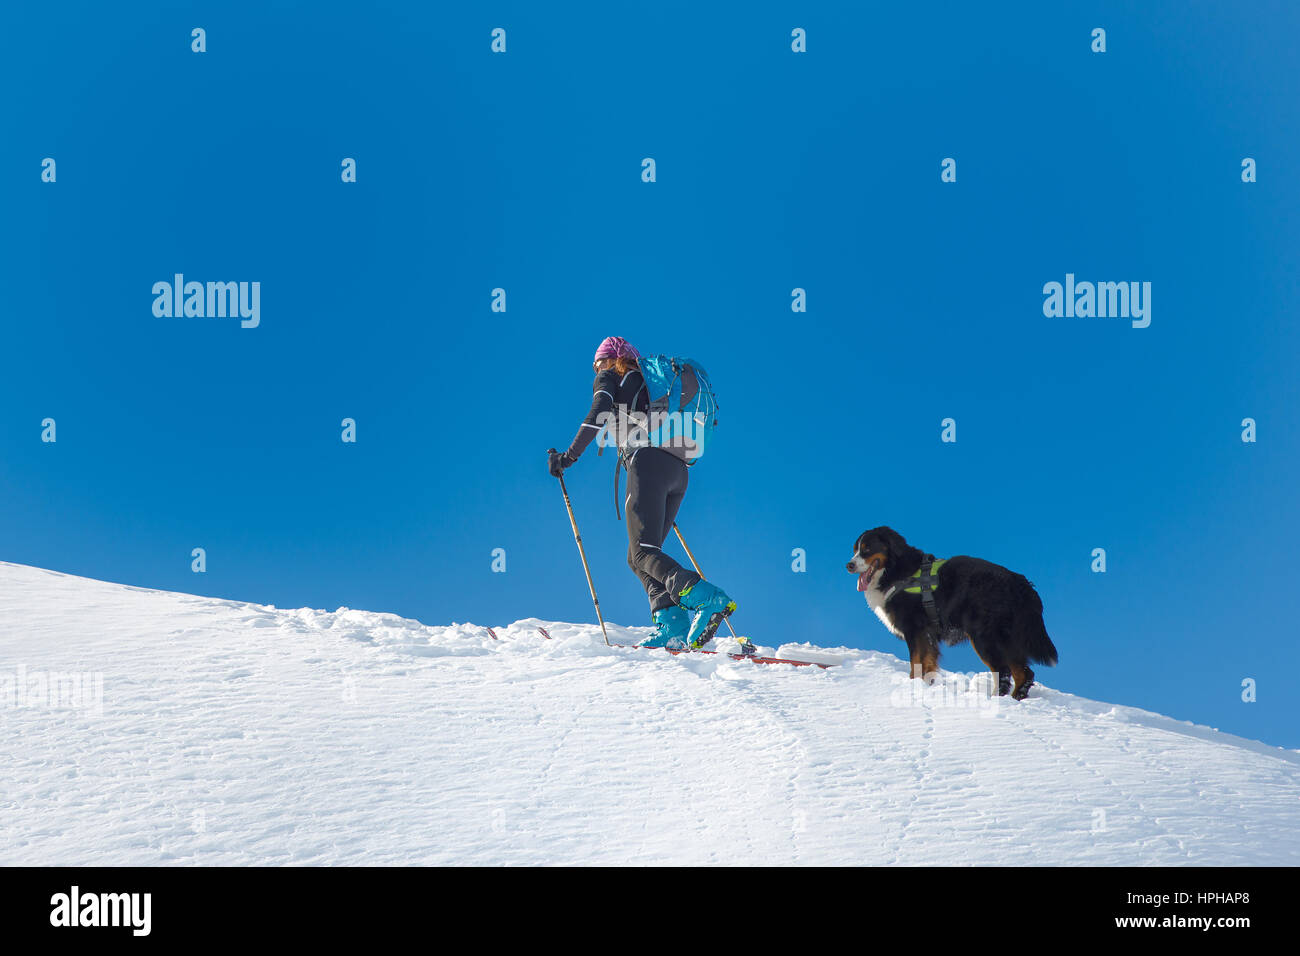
775	171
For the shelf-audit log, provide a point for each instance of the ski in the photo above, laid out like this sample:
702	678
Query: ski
735	657
687	650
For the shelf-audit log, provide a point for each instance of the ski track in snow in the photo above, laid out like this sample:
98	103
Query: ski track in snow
234	733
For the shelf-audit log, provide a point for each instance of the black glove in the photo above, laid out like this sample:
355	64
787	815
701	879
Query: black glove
557	462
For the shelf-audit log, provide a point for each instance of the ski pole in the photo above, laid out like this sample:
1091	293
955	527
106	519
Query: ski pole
696	565
583	554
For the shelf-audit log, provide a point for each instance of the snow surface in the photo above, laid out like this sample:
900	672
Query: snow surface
231	733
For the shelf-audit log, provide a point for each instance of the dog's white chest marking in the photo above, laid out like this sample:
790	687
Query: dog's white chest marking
876	601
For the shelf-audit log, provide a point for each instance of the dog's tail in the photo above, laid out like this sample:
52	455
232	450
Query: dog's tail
1033	640
1031	634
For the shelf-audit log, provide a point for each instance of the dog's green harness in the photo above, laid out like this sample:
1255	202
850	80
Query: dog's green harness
927	580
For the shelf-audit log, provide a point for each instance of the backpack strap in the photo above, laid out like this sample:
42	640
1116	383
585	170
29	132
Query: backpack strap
618	466
675	389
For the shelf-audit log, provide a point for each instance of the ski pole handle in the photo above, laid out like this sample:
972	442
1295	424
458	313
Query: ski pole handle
552	457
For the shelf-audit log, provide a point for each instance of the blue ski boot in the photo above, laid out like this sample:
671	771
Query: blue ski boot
671	626
708	605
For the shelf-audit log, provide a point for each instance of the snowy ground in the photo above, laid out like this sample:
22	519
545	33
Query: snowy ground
228	733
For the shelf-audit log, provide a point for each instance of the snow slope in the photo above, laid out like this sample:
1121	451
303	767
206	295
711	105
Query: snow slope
229	733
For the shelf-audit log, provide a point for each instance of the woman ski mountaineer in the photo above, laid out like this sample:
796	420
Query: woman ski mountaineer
682	604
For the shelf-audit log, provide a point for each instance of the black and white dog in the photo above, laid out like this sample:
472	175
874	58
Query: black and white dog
996	609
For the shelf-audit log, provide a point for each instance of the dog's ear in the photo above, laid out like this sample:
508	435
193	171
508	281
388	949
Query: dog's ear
897	546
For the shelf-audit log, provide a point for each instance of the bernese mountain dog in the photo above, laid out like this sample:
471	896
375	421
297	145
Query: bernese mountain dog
996	609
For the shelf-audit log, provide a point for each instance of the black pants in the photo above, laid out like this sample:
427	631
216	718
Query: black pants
656	484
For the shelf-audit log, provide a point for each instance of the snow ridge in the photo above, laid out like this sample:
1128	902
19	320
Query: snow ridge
231	733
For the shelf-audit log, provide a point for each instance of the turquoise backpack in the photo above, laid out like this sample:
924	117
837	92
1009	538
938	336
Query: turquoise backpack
683	408
683	411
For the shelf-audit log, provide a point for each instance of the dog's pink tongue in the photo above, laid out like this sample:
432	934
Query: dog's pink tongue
864	579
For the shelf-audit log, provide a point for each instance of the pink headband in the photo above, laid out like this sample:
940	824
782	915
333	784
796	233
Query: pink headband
615	347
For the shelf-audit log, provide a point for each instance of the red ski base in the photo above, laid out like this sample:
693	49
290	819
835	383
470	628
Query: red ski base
734	657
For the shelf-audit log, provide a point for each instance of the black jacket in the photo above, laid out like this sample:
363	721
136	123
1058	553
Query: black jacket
610	393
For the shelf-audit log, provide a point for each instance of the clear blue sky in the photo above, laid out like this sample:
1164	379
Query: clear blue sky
775	170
